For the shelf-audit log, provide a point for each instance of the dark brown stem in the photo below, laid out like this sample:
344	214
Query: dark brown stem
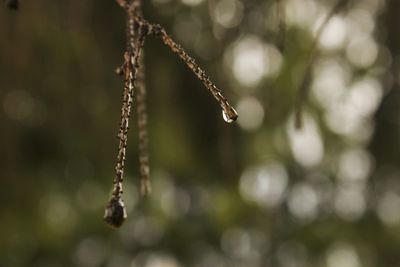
115	212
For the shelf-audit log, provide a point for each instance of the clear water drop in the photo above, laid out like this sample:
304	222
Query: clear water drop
229	115
226	117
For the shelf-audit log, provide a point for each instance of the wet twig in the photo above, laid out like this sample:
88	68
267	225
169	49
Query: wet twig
133	72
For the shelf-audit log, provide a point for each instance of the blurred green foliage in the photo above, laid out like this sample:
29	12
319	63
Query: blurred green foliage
254	193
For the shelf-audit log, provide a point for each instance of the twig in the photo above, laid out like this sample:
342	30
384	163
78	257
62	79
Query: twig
115	212
144	165
303	89
137	29
229	112
280	11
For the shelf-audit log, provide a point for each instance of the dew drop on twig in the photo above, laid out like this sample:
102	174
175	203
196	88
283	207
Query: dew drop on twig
229	116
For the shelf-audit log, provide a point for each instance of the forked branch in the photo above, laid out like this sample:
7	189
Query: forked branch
137	30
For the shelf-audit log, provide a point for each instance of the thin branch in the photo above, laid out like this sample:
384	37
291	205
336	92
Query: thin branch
148	28
303	90
280	11
115	212
229	112
144	162
144	165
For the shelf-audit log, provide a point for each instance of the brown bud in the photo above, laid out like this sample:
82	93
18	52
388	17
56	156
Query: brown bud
115	213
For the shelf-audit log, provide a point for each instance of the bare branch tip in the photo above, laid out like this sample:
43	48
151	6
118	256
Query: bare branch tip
115	212
298	120
145	188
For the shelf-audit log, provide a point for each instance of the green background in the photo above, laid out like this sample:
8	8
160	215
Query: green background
252	193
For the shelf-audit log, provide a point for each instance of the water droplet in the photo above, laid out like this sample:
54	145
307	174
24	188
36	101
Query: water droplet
115	213
226	118
229	115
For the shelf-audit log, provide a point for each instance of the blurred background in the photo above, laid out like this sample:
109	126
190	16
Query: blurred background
248	194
